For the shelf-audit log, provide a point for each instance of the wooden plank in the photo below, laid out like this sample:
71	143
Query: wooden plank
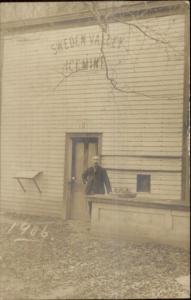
185	193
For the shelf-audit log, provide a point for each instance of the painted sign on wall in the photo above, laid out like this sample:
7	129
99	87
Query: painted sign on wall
86	40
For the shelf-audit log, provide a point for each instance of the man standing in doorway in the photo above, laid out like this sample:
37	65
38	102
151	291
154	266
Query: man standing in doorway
96	179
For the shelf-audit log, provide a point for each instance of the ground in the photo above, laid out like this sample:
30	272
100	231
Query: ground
44	258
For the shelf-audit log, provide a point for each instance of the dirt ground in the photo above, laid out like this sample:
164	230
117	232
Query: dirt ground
44	258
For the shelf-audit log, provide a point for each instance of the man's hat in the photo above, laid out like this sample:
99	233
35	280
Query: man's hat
95	157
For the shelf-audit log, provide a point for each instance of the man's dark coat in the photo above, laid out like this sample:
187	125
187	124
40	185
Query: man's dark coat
96	178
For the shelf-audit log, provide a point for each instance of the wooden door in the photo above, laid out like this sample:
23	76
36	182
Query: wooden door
83	149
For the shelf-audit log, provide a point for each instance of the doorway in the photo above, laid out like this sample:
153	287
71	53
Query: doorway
82	148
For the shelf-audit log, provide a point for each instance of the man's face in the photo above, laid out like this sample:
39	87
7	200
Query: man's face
95	162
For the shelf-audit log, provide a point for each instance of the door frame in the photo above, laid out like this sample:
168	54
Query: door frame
68	164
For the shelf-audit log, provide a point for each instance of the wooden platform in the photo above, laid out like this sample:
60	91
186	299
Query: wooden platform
141	219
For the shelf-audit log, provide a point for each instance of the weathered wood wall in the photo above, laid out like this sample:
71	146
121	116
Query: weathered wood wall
141	126
10	11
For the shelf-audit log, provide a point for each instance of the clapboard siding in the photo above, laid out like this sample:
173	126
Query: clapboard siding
163	185
36	208
138	163
39	107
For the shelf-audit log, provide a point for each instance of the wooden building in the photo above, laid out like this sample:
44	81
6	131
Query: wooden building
73	86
